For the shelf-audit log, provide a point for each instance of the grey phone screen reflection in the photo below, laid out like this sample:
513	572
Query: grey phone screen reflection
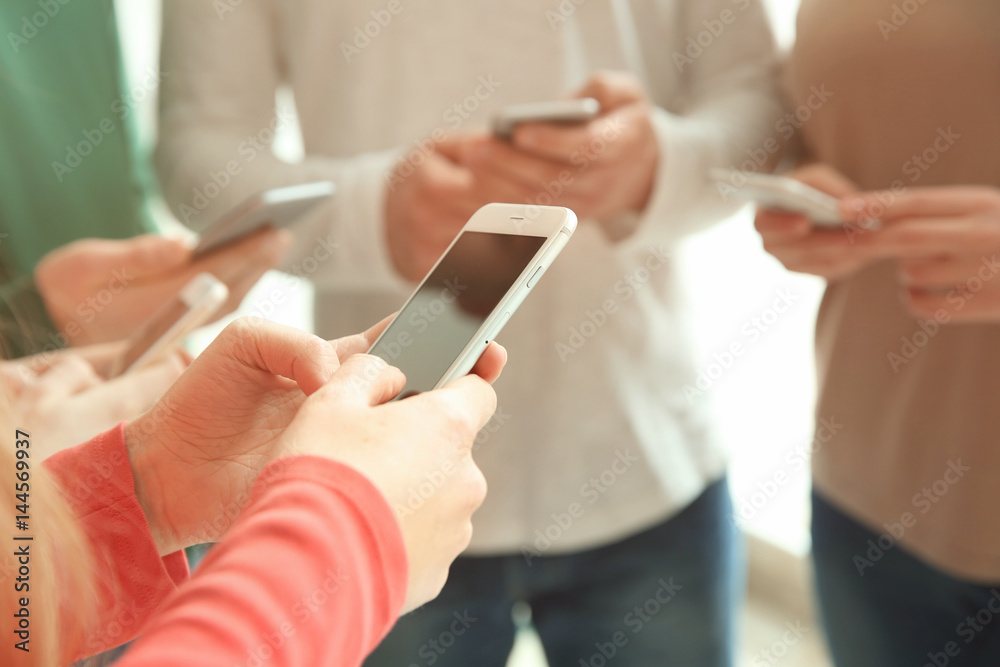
430	333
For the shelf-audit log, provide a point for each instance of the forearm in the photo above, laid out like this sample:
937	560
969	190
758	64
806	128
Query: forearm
729	119
313	572
130	578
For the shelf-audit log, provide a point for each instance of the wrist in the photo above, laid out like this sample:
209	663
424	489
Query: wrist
141	448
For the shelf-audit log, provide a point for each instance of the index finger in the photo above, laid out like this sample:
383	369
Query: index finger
920	237
935	202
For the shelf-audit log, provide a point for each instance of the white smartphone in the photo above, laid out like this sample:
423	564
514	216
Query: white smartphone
786	194
278	207
472	291
558	111
193	306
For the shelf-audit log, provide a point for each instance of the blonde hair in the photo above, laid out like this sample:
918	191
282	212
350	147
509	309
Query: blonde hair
56	582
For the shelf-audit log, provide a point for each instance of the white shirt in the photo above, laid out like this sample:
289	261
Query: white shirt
594	439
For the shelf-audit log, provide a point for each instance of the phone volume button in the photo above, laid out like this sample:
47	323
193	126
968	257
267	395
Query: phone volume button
534	276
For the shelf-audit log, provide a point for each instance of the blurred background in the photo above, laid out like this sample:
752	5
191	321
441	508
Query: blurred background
765	396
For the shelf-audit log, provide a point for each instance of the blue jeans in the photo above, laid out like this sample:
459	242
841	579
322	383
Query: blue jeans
901	612
664	597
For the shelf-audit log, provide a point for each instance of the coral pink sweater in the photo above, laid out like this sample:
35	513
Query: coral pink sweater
313	573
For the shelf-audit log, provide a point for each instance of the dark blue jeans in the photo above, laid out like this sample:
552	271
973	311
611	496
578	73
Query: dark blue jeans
664	597
901	612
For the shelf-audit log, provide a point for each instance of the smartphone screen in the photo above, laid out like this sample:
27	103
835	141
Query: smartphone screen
458	296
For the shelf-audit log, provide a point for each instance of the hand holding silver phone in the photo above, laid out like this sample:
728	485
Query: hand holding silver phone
786	194
278	207
558	111
193	306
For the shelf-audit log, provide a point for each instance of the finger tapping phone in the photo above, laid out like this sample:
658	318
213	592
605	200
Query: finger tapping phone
279	207
193	306
558	111
786	194
472	291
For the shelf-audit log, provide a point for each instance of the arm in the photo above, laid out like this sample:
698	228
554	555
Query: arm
313	573
731	110
217	114
131	578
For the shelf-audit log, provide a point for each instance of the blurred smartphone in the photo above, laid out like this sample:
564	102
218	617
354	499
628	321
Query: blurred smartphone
786	194
559	111
472	291
192	307
279	207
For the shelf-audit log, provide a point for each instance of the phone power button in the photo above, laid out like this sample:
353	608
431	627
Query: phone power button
534	276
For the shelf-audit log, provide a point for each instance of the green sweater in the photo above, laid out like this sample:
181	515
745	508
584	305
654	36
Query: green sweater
69	165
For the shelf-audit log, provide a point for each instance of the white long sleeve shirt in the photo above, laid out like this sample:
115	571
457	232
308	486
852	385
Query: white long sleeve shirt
594	439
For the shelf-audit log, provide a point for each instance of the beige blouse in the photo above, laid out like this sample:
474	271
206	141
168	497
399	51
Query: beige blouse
914	101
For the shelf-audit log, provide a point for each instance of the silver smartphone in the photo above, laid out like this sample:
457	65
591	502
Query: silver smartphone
278	207
786	194
558	111
472	292
193	306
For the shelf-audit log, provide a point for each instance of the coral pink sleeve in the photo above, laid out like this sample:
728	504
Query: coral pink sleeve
132	580
313	573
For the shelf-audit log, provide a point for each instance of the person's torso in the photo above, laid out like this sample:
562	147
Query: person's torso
68	167
911	98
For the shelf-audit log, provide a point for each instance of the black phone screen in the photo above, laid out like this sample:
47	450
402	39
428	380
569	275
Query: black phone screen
431	331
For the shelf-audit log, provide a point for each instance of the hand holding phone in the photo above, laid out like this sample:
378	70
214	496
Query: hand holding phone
559	111
472	292
190	309
278	207
786	194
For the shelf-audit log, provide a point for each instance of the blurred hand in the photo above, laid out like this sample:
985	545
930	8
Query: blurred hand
197	453
947	240
801	246
62	401
426	208
599	169
99	290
